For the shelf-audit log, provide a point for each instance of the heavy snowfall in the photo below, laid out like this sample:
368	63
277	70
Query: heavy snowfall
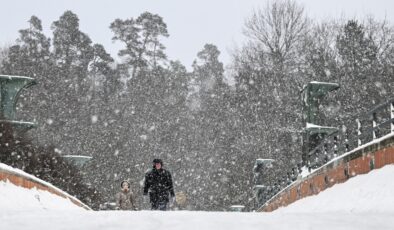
208	121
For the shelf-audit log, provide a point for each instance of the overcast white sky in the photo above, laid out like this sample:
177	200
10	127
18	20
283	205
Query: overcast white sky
191	23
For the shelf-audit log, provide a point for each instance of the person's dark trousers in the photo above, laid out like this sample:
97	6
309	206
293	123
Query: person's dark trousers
162	206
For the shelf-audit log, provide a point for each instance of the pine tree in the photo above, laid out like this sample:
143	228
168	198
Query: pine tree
72	51
142	39
31	55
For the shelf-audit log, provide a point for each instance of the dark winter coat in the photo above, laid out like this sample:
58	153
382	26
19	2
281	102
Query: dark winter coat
159	185
125	201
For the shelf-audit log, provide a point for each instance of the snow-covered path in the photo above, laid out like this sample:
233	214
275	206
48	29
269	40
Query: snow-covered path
183	220
364	202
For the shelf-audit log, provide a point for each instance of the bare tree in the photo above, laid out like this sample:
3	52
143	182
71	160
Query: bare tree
279	28
382	34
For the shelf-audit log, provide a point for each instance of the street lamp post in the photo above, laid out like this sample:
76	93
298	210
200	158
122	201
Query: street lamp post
10	89
312	94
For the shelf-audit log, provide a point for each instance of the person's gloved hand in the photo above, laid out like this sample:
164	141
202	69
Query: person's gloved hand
145	198
172	201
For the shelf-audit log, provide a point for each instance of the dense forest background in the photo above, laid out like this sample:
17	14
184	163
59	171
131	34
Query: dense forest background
210	124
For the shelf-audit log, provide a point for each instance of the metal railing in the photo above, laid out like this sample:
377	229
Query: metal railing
368	127
364	129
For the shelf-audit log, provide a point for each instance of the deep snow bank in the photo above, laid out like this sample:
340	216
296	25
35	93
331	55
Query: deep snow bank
15	198
371	193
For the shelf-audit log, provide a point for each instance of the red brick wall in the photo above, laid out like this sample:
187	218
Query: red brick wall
293	195
337	175
318	183
360	165
384	157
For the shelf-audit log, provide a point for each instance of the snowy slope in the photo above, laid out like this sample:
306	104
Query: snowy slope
14	198
364	202
372	193
8	189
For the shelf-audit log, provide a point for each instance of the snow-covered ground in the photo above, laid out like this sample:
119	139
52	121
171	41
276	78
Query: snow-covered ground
364	202
10	190
368	193
14	199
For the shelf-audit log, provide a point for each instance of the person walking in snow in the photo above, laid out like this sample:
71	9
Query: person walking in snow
125	198
158	183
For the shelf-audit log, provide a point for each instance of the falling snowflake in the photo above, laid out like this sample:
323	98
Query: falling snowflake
94	119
